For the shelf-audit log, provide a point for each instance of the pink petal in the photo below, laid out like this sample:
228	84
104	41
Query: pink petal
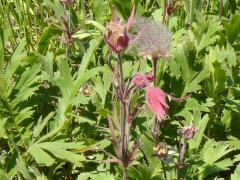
130	19
156	101
106	39
122	43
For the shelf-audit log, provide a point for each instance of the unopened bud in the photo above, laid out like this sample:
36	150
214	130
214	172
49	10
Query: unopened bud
188	132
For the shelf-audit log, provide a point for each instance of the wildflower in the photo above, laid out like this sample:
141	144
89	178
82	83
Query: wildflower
116	35
86	90
141	81
153	38
156	101
188	132
161	150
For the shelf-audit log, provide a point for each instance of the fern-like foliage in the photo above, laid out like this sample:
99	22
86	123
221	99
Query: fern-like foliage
14	95
234	143
214	156
236	174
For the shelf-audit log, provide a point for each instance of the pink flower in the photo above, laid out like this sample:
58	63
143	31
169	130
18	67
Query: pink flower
156	101
116	35
142	80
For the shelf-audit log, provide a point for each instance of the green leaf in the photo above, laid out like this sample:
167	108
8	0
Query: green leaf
96	24
40	156
182	61
3	133
3	175
23	87
60	151
23	169
236	175
83	176
233	28
81	119
1	61
15	61
47	62
46	37
41	124
93	45
63	145
102	84
226	119
82	75
65	81
55	6
80	99
211	169
215	84
196	141
213	151
194	85
99	9
24	114
124	6
205	32
234	142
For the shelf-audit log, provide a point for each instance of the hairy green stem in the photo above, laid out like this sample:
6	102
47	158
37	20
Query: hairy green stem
123	120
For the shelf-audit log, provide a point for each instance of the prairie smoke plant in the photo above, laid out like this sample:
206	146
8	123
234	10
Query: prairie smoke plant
116	35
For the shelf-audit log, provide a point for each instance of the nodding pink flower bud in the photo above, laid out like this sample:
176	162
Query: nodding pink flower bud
188	132
142	80
156	101
116	35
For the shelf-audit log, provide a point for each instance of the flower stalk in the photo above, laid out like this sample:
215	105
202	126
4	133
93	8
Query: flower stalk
66	23
116	37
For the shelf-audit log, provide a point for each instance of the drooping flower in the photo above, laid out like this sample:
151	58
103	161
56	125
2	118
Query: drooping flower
156	101
116	35
142	80
150	39
161	150
188	132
